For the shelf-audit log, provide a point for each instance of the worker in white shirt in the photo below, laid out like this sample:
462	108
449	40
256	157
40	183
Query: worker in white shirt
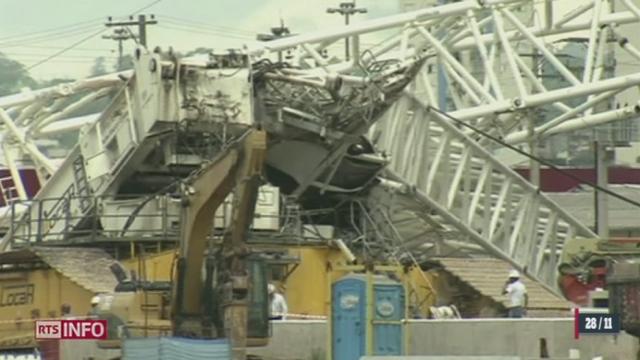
277	304
517	294
95	301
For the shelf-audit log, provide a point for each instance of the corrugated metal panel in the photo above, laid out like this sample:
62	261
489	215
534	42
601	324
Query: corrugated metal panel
488	276
175	349
87	267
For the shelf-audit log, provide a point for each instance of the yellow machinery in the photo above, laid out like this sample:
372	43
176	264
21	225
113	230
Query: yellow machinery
321	264
232	297
47	283
304	297
235	168
29	295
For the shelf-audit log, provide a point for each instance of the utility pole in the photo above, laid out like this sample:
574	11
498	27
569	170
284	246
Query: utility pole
119	35
548	14
535	118
142	23
603	158
347	9
276	33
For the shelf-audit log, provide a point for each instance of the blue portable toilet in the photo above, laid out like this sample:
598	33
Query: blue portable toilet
349	317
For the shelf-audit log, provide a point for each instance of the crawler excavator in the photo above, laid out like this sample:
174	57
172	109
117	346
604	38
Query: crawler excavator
238	167
231	302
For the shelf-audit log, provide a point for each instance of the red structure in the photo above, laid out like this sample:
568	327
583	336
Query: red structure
555	181
577	290
29	179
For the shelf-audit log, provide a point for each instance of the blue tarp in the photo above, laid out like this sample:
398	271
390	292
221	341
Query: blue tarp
167	348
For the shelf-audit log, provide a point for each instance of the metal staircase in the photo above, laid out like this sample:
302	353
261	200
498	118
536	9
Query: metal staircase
83	190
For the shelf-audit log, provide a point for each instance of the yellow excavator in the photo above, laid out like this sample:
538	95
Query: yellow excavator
230	300
239	167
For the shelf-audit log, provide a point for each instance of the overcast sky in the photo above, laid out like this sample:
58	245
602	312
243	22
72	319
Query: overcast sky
31	30
183	24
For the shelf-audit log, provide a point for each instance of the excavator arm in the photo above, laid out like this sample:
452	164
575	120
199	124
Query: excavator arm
235	277
239	167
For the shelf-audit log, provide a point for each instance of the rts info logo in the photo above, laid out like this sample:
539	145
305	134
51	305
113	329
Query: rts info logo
71	329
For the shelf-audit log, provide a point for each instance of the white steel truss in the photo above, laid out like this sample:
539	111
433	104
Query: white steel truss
451	169
466	188
33	115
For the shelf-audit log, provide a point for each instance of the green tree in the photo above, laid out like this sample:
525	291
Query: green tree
99	66
126	63
13	76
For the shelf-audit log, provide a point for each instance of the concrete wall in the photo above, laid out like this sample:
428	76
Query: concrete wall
296	339
86	349
514	337
307	339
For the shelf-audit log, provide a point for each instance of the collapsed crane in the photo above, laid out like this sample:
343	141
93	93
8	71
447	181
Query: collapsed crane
328	120
168	119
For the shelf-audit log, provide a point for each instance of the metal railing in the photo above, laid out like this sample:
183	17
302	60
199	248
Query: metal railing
37	220
134	218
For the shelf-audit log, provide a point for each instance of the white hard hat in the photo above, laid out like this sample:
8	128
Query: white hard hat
271	288
514	274
95	300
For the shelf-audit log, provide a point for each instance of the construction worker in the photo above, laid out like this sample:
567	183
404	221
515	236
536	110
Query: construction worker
277	304
517	294
65	311
95	301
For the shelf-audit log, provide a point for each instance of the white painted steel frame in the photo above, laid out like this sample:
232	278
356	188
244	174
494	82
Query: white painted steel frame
468	188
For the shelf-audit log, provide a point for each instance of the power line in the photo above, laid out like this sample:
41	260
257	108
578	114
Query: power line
146	7
210	33
50	36
535	158
207	31
207	25
64	61
62	47
120	35
65	49
62	51
142	23
48	31
20	55
206	28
